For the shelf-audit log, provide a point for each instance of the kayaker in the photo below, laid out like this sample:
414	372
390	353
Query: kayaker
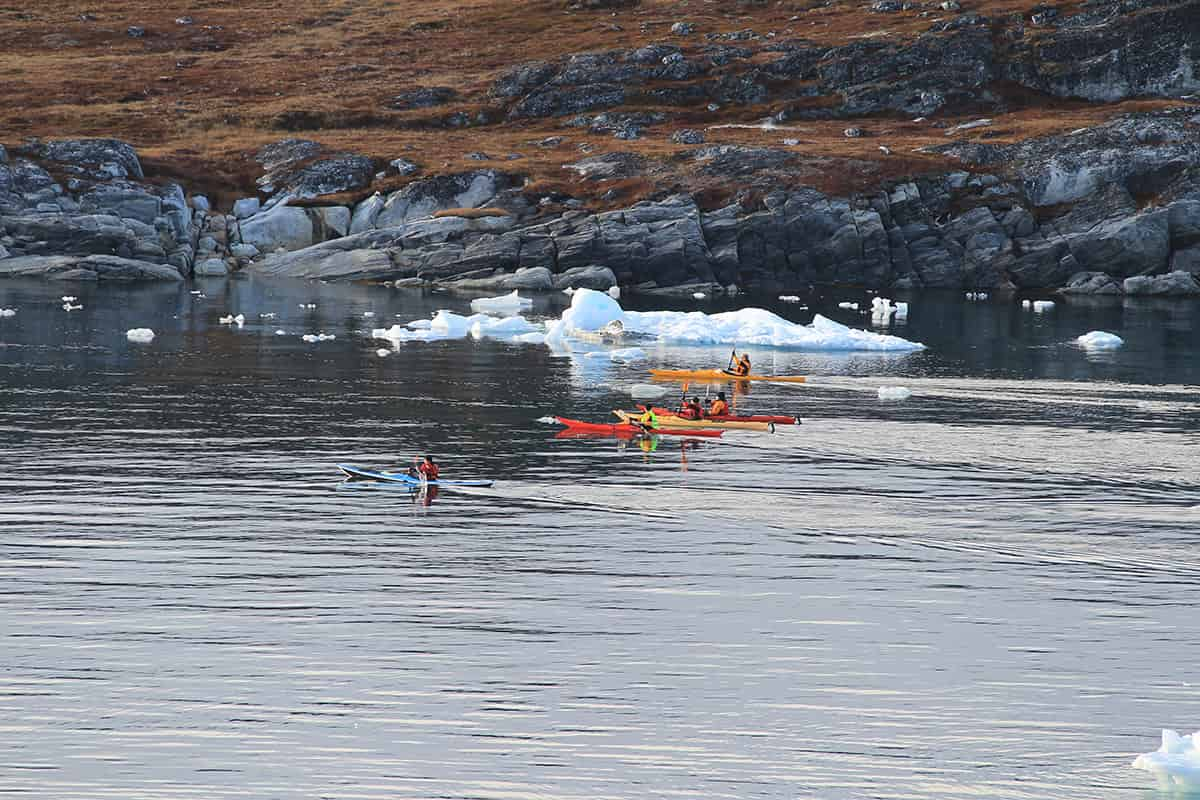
647	420
428	469
719	407
692	409
741	365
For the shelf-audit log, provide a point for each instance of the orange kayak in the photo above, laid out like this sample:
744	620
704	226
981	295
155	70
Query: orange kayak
719	375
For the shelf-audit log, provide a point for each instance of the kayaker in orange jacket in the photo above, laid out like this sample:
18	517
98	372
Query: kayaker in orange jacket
741	365
719	408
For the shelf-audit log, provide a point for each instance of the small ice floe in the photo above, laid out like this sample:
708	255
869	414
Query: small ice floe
368	313
901	312
699	296
647	391
849	306
140	335
69	307
383	352
8	312
1100	340
894	393
614	292
788	298
510	303
1175	765
308	306
67	298
628	355
547	420
281	332
318	337
1038	306
882	310
196	291
268	315
239	320
977	296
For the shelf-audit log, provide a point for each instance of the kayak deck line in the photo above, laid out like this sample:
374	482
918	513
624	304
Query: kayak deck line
627	429
721	375
675	421
778	419
358	473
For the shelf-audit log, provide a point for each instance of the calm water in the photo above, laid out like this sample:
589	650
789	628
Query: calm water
988	591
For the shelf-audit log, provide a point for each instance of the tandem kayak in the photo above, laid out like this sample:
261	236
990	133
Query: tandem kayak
625	429
672	421
719	375
358	473
778	419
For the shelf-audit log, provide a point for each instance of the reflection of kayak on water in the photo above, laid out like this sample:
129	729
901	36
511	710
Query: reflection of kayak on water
625	429
720	375
358	473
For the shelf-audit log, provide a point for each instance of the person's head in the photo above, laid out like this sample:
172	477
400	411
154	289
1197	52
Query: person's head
696	400
720	395
428	459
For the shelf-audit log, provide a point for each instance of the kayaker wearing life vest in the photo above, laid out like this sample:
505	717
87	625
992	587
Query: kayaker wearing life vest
719	407
427	468
740	364
692	409
648	420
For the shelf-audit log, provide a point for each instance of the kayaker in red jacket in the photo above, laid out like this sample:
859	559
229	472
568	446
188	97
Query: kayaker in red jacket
692	409
719	407
428	469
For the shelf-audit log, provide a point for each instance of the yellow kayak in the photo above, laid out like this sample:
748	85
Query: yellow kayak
671	421
719	375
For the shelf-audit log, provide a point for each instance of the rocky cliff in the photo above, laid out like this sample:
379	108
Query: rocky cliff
896	145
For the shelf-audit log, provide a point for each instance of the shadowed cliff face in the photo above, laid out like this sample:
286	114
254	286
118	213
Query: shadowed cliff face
901	145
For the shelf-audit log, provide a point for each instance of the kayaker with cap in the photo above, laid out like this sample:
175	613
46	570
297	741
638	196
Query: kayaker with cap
720	407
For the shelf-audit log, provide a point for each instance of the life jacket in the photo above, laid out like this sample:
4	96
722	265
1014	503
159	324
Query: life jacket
648	419
743	366
719	408
430	471
692	411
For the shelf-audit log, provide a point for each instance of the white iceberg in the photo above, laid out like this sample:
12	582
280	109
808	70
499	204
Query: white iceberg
69	307
894	393
1175	765
140	335
1099	340
448	325
511	303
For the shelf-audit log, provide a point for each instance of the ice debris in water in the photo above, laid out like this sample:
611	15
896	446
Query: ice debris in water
849	306
69	307
448	325
383	352
647	391
281	332
570	290
977	296
368	313
884	310
894	393
789	298
1038	305
547	420
239	320
269	315
1100	340
67	298
318	337
8	312
511	303
628	354
142	335
699	295
1176	763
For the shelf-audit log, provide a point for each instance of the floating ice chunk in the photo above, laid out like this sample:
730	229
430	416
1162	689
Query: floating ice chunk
309	337
849	306
448	325
269	315
368	313
8	312
1100	340
491	328
383	352
239	320
533	337
281	332
511	303
699	296
1042	305
894	393
614	292
141	335
1175	765
977	295
901	311
196	291
547	420
647	391
69	307
68	298
590	311
882	310
759	327
789	298
628	354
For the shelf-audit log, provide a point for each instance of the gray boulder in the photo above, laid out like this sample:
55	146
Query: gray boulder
349	258
1173	284
98	159
366	212
93	267
211	267
336	219
122	200
246	207
590	277
281	226
1098	283
1187	260
531	278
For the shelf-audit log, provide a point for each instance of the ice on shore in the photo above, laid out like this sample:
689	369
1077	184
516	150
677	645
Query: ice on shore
1099	340
511	303
1175	765
140	335
894	393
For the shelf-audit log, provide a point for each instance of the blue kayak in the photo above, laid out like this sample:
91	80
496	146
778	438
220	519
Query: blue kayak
358	473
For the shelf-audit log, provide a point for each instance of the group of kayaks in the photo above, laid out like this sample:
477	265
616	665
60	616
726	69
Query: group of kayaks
670	423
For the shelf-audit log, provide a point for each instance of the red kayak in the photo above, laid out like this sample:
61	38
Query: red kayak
778	419
631	430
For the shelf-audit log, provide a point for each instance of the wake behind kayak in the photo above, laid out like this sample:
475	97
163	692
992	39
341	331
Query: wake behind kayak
360	474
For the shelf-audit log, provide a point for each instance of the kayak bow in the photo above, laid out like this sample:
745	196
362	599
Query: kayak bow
358	473
720	375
